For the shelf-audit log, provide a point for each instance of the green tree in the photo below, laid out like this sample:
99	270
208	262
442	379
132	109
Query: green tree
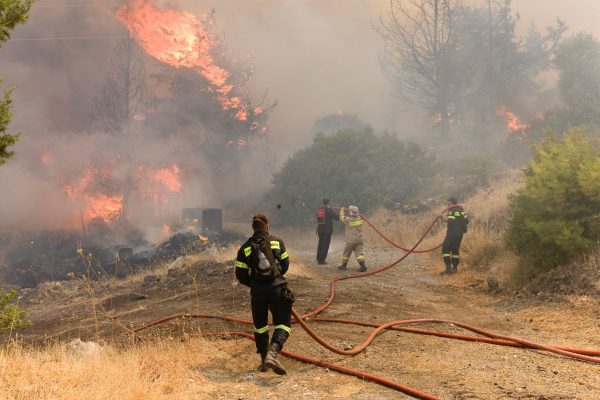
12	13
11	315
556	214
350	167
578	63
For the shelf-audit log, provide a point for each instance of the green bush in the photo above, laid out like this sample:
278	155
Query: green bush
350	167
556	213
11	315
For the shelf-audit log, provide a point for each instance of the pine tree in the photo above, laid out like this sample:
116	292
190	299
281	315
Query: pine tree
12	13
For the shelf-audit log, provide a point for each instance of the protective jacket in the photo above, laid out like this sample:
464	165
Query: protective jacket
458	221
246	268
354	227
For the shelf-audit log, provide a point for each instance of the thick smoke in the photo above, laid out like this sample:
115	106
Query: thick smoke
315	57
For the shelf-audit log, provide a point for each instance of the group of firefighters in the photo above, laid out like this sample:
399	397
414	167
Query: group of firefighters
262	262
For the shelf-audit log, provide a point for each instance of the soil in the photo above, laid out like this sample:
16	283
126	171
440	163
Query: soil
447	369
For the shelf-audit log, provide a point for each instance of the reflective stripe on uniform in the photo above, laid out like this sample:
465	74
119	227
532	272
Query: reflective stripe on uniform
345	258
284	255
240	264
355	223
275	245
247	251
446	254
261	330
455	256
285	328
451	217
360	258
457	213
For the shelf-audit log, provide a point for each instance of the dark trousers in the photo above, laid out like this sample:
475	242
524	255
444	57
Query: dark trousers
262	302
323	246
451	249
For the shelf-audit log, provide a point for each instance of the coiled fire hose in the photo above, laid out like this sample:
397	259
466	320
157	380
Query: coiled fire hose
489	337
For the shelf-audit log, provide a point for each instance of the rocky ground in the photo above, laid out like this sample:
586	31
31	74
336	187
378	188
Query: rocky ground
448	369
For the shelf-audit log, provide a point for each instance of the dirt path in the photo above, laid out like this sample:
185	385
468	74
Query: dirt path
448	369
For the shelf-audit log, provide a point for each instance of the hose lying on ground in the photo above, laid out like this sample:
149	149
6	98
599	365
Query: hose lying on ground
493	338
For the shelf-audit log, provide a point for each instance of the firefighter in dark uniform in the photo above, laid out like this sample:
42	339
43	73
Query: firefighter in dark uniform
325	217
457	222
261	264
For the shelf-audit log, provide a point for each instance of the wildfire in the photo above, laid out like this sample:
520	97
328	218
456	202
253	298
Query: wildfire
181	39
166	231
512	121
169	177
102	193
108	208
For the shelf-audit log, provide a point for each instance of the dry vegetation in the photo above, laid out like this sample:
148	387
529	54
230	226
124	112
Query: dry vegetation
483	247
178	364
154	371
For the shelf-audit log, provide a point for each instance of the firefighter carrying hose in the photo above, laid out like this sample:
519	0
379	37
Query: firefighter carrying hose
354	238
261	264
457	222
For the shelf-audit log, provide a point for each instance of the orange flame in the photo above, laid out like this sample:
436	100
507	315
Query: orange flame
512	121
166	231
169	177
75	189
108	208
181	39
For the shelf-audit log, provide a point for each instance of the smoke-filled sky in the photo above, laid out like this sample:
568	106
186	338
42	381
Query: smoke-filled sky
315	57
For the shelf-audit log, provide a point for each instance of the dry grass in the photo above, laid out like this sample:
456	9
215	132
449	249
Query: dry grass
483	247
163	370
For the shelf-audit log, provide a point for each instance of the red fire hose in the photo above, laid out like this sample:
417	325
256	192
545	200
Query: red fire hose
580	354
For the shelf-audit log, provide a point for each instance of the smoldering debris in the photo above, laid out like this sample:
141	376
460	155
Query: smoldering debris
59	255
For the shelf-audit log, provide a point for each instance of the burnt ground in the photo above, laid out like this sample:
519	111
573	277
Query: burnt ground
448	369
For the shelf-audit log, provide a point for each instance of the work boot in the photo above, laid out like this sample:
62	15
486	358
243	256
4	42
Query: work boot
454	269
343	267
262	367
272	362
447	271
363	266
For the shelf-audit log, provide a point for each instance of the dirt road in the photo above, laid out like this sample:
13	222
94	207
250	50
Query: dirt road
448	369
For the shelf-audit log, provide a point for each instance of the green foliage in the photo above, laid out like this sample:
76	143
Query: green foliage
12	13
556	214
11	315
578	63
6	140
350	167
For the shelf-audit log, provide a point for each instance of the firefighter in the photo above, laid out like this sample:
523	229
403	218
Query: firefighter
457	222
354	239
261	264
325	217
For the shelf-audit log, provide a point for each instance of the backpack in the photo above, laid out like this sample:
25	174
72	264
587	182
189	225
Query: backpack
262	261
321	216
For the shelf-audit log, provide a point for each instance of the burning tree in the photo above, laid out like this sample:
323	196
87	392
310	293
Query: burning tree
191	44
125	96
205	110
13	12
423	55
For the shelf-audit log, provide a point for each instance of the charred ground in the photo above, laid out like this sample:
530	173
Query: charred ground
106	311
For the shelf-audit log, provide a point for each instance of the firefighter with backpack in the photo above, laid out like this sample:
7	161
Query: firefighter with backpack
325	216
457	223
261	264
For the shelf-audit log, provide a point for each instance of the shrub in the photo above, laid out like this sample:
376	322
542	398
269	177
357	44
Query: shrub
350	167
555	214
11	315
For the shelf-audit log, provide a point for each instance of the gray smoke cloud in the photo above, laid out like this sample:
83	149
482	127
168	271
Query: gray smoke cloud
315	57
